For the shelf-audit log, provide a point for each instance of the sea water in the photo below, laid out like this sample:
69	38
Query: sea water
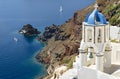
17	57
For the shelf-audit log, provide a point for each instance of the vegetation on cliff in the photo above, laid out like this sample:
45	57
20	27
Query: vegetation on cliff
113	11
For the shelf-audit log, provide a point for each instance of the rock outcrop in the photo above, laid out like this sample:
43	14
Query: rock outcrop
29	30
53	31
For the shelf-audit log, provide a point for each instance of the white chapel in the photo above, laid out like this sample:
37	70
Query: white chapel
95	47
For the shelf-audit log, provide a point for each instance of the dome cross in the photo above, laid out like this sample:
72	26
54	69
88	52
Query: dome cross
96	6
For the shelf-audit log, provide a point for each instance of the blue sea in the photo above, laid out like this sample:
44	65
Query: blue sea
17	57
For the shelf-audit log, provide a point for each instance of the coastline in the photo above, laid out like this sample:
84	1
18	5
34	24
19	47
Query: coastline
51	65
22	50
63	52
34	61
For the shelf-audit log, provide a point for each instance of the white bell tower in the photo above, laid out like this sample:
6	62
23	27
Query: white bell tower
96	39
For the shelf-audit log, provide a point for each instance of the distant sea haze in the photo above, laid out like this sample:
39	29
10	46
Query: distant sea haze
17	57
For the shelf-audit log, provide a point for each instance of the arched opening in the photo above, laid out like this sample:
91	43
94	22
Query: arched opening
89	35
99	36
90	56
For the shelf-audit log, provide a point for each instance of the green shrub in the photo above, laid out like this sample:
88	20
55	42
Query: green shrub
68	61
114	40
65	60
70	64
113	11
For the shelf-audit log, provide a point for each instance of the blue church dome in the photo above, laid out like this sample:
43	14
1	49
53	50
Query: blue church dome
94	17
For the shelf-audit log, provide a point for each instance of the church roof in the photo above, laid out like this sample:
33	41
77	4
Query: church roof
95	17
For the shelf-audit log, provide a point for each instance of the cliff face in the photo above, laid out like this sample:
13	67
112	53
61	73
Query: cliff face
59	51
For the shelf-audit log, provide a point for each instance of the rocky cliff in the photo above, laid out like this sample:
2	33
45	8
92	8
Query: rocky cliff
63	41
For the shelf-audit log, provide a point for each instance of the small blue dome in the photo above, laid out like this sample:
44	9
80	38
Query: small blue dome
94	17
